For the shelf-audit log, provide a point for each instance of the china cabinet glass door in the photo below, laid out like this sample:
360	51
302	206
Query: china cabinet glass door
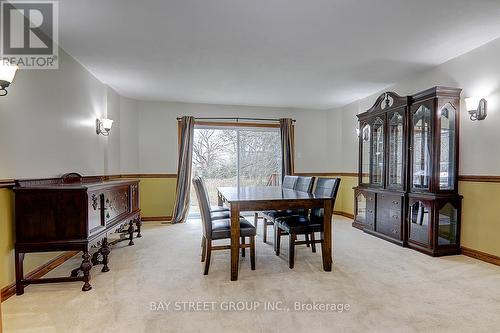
377	152
448	223
365	154
421	149
361	207
395	150
419	222
447	148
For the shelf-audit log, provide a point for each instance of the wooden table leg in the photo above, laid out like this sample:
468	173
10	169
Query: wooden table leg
235	240
326	245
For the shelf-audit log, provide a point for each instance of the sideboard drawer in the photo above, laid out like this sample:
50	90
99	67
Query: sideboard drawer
95	205
116	203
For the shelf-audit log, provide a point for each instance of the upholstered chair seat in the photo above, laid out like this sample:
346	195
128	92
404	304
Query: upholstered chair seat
222	229
299	224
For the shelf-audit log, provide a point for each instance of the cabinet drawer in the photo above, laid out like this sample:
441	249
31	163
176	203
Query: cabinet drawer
389	215
389	201
116	203
370	216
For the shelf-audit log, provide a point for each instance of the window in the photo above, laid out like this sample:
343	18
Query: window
235	156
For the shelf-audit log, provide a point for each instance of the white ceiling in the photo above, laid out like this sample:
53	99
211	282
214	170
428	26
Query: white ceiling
288	53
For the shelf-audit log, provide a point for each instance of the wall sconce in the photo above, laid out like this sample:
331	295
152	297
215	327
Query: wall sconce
103	126
7	74
477	108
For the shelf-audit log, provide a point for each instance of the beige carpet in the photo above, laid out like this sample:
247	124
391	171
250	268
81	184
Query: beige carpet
388	289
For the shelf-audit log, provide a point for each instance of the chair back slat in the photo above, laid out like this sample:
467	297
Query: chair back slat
327	187
204	204
304	184
289	182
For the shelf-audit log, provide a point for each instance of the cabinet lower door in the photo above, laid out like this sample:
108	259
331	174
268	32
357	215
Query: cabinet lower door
419	218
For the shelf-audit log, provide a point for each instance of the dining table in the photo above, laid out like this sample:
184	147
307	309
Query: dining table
262	198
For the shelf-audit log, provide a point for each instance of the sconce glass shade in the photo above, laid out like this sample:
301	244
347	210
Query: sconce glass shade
107	123
7	74
471	103
103	126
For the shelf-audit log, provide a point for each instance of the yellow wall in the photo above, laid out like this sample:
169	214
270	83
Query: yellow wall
6	237
480	221
345	197
480	224
157	196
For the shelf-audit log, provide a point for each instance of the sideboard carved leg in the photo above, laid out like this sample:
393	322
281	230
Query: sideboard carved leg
95	258
85	267
138	223
19	272
104	250
131	232
74	273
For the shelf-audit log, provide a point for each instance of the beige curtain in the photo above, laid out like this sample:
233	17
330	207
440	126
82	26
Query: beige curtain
181	207
287	158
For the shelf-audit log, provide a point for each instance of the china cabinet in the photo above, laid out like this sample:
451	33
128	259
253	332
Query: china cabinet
408	166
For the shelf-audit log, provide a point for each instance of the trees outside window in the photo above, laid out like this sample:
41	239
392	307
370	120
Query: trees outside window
235	156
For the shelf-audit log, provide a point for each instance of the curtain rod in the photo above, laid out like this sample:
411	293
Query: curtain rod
238	118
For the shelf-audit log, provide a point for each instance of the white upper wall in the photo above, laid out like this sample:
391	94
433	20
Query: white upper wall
158	133
129	136
47	124
478	74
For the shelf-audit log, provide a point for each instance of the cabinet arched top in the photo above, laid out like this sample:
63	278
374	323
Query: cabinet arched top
388	101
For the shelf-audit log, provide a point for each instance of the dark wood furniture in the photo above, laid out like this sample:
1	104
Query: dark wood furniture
290	182
73	213
217	229
274	198
305	223
408	167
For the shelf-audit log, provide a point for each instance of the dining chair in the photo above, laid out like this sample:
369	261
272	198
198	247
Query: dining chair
289	181
297	183
216	229
305	224
218	212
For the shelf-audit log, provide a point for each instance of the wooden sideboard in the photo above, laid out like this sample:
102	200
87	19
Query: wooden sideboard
73	213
